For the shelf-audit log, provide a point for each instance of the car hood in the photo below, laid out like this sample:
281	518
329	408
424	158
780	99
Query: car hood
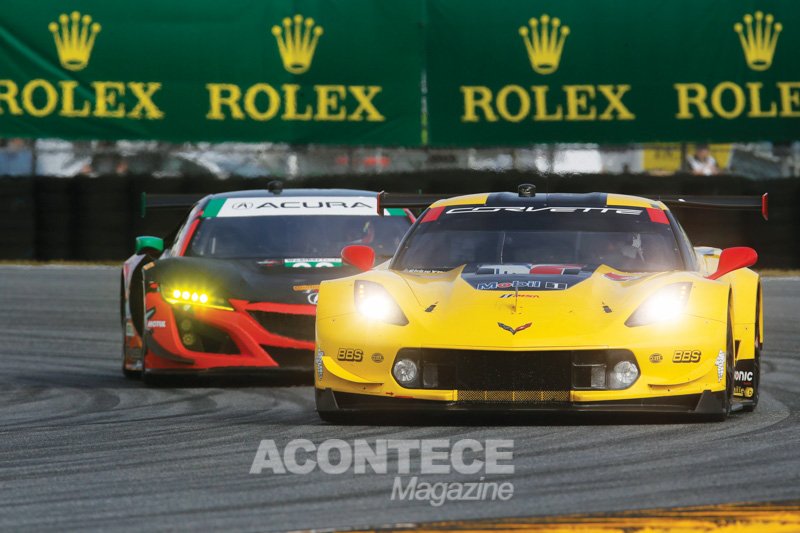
245	279
556	305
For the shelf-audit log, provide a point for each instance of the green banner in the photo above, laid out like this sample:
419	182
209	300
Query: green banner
297	71
406	73
516	72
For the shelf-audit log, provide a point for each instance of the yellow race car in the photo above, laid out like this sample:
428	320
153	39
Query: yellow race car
542	302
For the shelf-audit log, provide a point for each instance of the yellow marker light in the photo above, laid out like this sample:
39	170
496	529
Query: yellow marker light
186	298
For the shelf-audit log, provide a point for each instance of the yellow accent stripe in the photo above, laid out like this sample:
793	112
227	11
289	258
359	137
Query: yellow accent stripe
728	518
628	201
334	368
470	199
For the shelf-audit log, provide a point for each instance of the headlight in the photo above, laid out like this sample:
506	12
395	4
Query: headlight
375	302
665	305
622	375
405	371
185	296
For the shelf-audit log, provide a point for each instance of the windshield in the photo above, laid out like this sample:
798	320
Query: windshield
281	237
624	239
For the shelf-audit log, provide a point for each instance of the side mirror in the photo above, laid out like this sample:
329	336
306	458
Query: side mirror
360	256
152	246
733	259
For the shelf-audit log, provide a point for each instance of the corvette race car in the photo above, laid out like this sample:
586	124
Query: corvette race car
236	287
546	302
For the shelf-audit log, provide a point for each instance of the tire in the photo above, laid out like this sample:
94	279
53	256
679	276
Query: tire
730	367
129	374
750	405
333	417
147	378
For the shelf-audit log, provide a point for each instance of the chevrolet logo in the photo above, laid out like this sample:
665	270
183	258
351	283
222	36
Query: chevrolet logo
514	331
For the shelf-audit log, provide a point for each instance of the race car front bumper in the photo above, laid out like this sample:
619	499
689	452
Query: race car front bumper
705	403
258	336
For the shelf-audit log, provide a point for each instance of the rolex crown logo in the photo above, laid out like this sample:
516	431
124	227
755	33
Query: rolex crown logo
297	40
544	42
758	43
74	36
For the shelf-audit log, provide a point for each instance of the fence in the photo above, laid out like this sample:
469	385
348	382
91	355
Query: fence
98	218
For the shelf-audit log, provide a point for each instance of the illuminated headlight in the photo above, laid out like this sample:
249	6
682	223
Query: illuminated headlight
666	305
405	371
622	375
181	296
374	302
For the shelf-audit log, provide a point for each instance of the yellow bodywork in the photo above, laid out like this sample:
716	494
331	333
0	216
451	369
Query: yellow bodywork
589	315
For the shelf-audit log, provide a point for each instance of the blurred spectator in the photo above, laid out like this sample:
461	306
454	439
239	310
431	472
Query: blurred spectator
16	158
106	161
702	163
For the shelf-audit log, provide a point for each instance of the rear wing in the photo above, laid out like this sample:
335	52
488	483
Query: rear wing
733	203
736	203
168	201
408	200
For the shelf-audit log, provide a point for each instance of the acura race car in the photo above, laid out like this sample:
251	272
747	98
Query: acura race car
236	286
547	302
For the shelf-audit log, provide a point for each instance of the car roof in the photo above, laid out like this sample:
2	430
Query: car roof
593	199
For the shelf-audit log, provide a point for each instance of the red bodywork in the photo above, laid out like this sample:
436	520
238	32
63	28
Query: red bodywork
250	338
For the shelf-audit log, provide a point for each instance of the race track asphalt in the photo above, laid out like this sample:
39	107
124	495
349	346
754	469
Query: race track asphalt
81	447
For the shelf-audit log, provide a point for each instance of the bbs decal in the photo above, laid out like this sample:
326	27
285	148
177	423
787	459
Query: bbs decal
350	354
686	356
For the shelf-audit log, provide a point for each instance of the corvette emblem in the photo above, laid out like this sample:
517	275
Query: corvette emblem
514	331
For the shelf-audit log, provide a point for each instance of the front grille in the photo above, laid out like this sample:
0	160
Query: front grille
527	396
300	327
291	357
477	371
201	337
505	376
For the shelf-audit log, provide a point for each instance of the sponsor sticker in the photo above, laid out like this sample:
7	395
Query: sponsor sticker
291	205
313	262
523	209
320	366
350	354
516	284
656	358
156	324
686	356
720	362
377	358
302	288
